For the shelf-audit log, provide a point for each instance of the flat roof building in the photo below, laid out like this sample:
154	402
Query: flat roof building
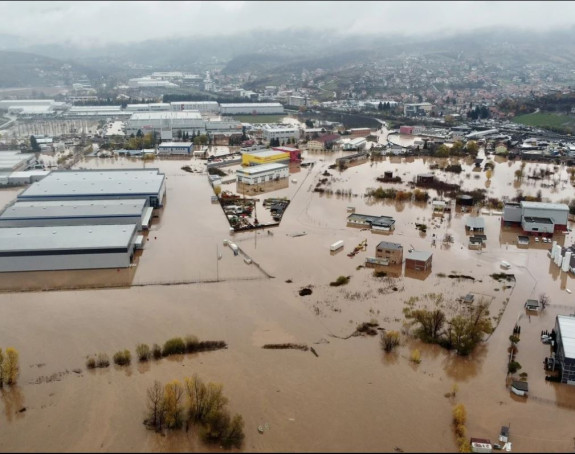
267	156
77	212
259	108
66	247
536	217
418	260
99	184
565	354
175	148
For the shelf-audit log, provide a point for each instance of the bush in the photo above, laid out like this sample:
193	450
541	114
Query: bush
513	367
143	352
122	358
389	340
91	363
156	351
341	280
192	343
415	356
102	360
174	346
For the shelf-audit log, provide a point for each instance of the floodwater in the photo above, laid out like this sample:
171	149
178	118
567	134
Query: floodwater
352	397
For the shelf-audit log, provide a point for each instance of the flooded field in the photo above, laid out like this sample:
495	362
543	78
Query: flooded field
352	396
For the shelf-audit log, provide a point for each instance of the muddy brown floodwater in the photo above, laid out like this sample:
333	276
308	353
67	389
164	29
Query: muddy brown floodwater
352	396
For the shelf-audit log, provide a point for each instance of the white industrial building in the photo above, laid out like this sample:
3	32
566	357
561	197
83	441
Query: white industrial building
66	247
175	148
262	173
280	132
260	108
165	123
96	111
99	184
204	107
77	212
536	217
358	143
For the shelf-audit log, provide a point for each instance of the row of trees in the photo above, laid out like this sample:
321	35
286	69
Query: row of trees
194	402
9	366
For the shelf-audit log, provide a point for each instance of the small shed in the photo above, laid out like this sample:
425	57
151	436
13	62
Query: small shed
475	224
532	305
520	388
468	299
475	242
481	445
522	240
504	434
424	178
418	260
464	199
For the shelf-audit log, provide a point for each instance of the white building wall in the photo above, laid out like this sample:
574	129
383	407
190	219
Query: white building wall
262	177
65	262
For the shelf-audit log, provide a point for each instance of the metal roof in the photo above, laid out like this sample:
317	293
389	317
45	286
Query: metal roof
96	183
421	256
475	222
73	208
54	238
389	245
267	153
167	115
262	168
544	206
567	331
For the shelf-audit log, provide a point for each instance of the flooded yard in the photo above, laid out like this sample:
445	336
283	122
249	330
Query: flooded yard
351	396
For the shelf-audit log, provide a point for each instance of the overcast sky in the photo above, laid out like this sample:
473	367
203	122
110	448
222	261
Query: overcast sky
93	23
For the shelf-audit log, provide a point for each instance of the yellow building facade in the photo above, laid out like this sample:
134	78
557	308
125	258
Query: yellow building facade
264	157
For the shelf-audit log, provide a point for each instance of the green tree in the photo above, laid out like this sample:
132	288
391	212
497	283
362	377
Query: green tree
34	144
442	151
173	393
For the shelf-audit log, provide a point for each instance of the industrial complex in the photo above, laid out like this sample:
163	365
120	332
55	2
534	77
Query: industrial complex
79	219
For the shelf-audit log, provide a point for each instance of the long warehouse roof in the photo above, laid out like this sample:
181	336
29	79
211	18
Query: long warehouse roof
73	208
96	183
57	238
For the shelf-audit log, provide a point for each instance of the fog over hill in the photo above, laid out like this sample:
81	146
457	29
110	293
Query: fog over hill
286	50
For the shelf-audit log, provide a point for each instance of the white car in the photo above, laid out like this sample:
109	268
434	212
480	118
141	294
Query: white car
537	239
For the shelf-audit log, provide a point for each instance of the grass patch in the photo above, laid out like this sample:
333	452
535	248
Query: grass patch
461	276
503	277
341	280
543	120
302	347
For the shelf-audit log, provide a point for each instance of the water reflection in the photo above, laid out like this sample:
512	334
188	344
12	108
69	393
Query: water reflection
462	368
13	399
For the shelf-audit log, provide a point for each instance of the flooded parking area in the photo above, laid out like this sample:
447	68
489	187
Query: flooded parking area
351	396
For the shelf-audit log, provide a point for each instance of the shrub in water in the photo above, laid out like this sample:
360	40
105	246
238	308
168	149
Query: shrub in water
122	358
156	351
143	352
174	346
191	343
102	360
